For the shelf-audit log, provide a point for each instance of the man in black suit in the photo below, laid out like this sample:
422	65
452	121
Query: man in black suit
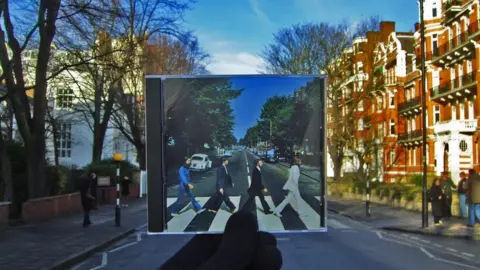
224	181
256	188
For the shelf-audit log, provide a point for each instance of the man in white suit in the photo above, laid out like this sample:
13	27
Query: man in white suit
293	198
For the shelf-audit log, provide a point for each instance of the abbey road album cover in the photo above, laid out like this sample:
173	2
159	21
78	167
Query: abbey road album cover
236	143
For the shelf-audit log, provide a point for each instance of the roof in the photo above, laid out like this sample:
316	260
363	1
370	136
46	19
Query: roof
408	43
200	155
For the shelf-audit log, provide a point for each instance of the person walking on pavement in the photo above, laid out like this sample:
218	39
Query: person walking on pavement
86	197
462	194
185	187
93	190
437	199
125	190
224	181
473	198
447	185
256	188
293	198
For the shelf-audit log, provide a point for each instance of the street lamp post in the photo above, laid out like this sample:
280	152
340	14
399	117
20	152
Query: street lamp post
424	121
367	201
377	142
117	157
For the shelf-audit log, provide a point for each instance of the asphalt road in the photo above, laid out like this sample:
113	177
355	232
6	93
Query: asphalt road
347	245
240	168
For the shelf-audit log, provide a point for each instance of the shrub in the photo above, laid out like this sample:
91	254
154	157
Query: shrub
57	179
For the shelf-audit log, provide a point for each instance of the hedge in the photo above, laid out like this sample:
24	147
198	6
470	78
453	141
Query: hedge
107	167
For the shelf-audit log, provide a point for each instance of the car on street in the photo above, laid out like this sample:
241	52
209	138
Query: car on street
227	154
200	162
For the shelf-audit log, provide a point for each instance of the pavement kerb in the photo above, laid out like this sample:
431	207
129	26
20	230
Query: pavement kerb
430	233
79	257
339	213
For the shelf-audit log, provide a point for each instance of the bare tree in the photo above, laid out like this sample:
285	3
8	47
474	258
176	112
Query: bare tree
31	125
320	49
114	43
162	55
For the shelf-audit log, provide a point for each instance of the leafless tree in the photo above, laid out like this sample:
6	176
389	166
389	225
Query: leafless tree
321	49
162	55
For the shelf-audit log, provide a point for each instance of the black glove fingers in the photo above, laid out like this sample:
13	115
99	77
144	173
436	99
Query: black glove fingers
196	252
267	239
238	244
266	258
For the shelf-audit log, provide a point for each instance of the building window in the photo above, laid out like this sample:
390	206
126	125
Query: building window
428	154
463	146
392	100
434	12
436	114
379	103
392	157
392	127
64	140
64	98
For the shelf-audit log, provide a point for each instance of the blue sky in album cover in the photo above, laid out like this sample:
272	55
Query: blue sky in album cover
248	106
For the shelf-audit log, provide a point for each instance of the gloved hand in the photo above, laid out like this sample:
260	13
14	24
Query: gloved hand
240	247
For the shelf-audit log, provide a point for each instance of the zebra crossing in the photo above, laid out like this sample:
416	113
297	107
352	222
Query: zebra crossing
190	221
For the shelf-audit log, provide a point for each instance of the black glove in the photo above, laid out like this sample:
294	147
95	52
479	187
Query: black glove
240	247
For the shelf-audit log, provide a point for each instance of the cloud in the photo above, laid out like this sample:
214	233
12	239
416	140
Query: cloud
257	9
234	63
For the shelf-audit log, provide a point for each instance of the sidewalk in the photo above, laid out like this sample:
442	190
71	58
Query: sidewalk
397	219
62	242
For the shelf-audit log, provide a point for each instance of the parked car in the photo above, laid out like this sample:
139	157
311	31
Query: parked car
200	162
227	154
271	156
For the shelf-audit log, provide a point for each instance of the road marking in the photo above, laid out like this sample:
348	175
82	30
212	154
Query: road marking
283	239
180	223
380	236
437	245
124	246
170	201
456	263
415	238
452	250
139	237
425	241
222	216
468	254
268	222
249	180
248	170
312	220
104	262
428	253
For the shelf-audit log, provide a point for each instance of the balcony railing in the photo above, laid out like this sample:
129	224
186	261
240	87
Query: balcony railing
410	136
456	42
465	126
409	104
454	85
452	5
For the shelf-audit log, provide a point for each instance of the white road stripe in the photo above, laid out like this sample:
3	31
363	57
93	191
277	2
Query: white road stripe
336	224
249	180
268	222
122	247
170	201
104	261
312	220
468	254
248	170
180	223
222	216
426	252
451	249
437	245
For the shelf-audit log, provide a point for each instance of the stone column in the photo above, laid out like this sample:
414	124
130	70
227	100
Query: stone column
439	148
471	115
454	112
454	156
462	111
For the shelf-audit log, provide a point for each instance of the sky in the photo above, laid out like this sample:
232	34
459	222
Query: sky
234	32
247	107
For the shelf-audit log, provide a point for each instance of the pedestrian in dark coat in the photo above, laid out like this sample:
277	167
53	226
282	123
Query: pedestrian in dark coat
85	184
437	199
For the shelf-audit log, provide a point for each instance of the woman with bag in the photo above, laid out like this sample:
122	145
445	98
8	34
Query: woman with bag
293	197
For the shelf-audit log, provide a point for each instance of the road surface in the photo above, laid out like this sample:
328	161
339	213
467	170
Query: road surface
347	245
240	168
